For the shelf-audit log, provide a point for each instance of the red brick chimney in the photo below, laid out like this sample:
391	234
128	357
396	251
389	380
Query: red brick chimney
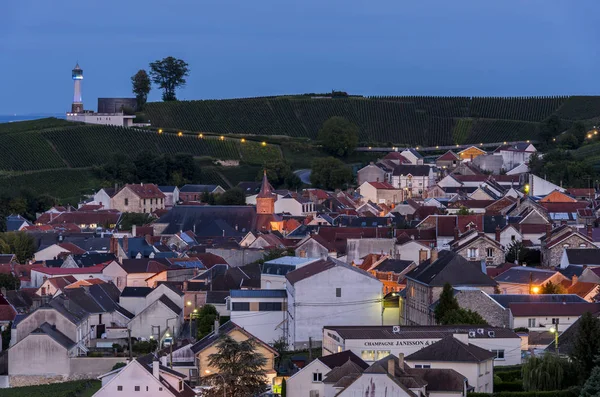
126	245
548	231
589	231
456	233
498	233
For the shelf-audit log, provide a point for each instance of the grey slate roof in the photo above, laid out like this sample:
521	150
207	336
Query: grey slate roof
170	304
506	300
338	359
524	275
450	268
393	265
320	266
205	219
51	331
216	297
211	338
276	269
167	189
91	259
571	271
137	292
583	256
258	293
450	349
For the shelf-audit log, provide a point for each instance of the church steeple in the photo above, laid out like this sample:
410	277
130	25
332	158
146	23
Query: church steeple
265	199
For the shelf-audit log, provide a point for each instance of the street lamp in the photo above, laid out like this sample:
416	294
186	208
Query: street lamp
208	371
535	290
554	330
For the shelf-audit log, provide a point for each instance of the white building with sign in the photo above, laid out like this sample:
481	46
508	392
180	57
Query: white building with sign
372	343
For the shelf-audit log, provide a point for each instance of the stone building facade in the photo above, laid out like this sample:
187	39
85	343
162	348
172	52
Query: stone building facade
481	249
142	198
478	301
552	252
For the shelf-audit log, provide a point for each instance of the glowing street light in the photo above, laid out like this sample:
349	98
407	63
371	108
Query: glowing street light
535	290
554	330
222	138
180	133
189	303
526	188
265	144
200	136
160	130
242	140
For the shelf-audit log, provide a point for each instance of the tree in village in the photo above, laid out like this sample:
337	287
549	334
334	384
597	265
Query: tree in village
233	196
279	172
205	320
548	372
240	369
338	136
591	387
9	281
448	312
283	388
330	173
141	86
281	346
169	74
551	288
19	243
586	347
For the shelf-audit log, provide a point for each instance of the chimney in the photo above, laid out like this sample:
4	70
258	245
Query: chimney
422	256
574	279
498	233
185	286
133	230
126	245
401	361
589	231
112	248
434	255
456	233
391	365
155	369
217	325
548	232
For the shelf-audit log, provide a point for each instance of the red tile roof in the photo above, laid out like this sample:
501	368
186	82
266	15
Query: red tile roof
396	156
533	228
564	207
553	309
581	288
7	312
72	248
382	185
465	220
55	271
80	218
582	192
209	260
90	207
448	156
146	190
493	272
446	225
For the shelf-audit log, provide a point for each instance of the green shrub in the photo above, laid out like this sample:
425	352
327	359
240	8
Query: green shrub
508	386
508	376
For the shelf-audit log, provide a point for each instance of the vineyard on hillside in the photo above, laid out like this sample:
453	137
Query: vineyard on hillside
399	120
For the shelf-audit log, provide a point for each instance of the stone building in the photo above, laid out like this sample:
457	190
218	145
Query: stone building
425	283
265	200
559	239
142	198
477	247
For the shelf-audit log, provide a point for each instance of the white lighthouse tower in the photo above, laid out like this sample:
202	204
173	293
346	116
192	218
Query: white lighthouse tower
77	106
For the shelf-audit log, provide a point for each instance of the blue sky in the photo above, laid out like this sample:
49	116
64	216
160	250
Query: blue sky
266	47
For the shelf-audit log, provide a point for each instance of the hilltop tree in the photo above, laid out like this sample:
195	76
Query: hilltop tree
330	173
241	367
551	128
141	86
169	74
339	136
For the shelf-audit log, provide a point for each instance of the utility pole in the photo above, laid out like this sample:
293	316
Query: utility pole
130	347
309	349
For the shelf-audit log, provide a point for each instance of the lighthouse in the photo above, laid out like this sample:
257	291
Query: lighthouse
77	106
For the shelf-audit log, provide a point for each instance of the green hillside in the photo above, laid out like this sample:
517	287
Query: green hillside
56	157
397	120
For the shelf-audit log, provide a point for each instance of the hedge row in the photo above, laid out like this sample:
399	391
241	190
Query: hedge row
571	392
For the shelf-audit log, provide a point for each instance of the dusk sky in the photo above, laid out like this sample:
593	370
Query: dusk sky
268	47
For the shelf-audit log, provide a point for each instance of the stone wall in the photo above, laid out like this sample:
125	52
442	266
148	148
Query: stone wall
475	300
551	257
238	257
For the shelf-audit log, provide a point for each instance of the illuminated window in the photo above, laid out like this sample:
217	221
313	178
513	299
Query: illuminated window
383	354
368	355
